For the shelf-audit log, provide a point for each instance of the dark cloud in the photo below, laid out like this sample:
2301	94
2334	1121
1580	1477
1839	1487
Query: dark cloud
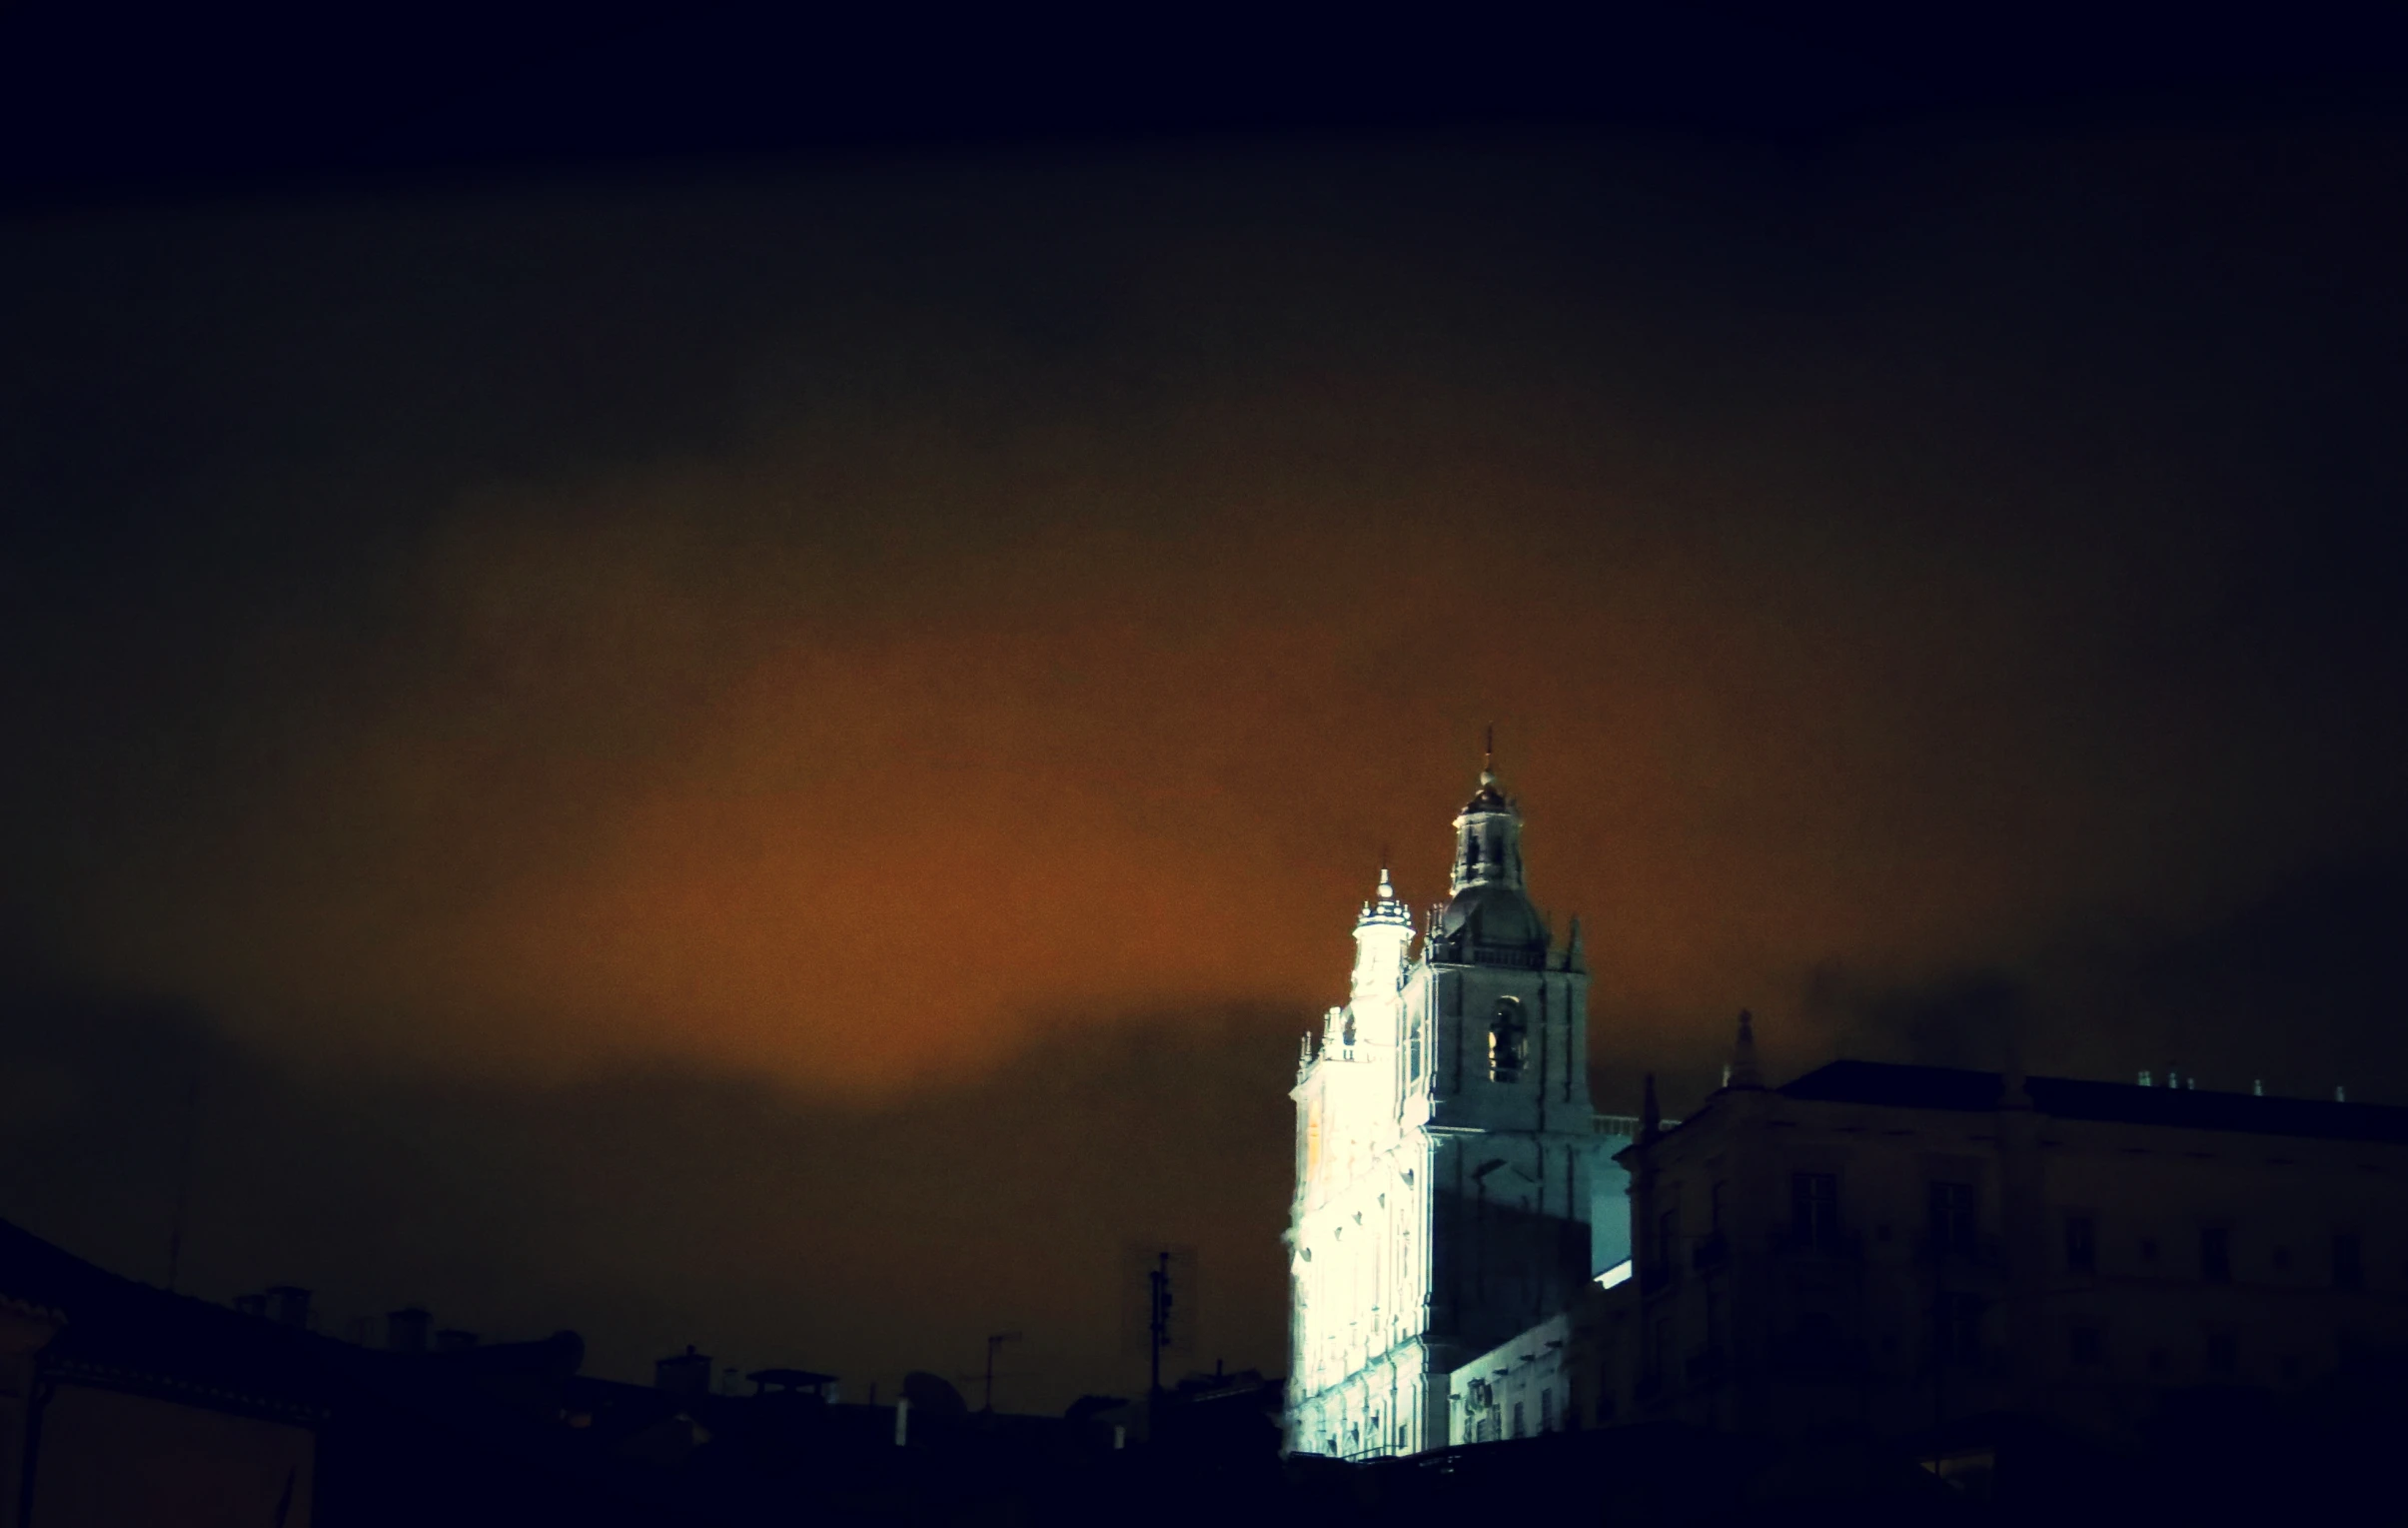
2294	990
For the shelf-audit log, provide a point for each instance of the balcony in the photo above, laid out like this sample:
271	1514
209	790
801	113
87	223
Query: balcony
1462	952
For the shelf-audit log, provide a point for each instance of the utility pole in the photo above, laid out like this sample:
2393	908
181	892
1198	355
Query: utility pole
1158	1323
993	1342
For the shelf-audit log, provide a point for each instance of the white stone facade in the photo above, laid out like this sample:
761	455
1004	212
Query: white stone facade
1447	1155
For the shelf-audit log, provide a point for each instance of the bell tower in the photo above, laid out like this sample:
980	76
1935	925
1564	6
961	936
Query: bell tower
1445	1150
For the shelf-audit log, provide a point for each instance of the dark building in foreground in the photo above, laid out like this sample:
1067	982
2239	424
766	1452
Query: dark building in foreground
121	1403
1920	1251
126	1406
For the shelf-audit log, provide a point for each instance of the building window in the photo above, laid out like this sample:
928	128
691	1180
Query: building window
1508	1042
1546	1409
1814	1207
2081	1244
2223	1353
1953	1223
2215	1255
1960	1328
2349	1267
1518	1432
2087	1351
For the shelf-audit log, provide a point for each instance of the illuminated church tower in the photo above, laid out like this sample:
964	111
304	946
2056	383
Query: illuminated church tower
1446	1153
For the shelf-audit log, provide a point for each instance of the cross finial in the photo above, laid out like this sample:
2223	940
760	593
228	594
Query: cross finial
1488	756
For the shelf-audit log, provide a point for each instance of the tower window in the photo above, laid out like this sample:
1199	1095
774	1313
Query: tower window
1508	1042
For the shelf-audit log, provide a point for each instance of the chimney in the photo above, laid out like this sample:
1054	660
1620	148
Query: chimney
289	1305
453	1340
406	1330
687	1376
1743	1071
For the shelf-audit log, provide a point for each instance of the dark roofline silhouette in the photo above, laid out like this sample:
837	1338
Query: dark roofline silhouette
1948	1088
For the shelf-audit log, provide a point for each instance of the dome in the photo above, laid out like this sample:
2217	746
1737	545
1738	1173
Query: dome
1488	798
1494	914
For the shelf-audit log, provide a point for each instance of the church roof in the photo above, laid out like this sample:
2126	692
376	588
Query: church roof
1493	913
1947	1087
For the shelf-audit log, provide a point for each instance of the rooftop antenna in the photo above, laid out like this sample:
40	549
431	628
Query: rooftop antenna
994	1344
1488	756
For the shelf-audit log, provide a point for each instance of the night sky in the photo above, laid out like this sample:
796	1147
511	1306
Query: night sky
712	715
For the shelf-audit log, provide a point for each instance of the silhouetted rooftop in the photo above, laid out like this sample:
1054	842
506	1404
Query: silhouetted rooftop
1948	1088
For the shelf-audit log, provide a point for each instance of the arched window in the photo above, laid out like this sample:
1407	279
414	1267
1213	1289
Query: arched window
1508	1042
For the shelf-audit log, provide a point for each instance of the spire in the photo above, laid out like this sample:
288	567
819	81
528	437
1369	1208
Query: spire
1385	907
1651	1118
1744	1073
1488	833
